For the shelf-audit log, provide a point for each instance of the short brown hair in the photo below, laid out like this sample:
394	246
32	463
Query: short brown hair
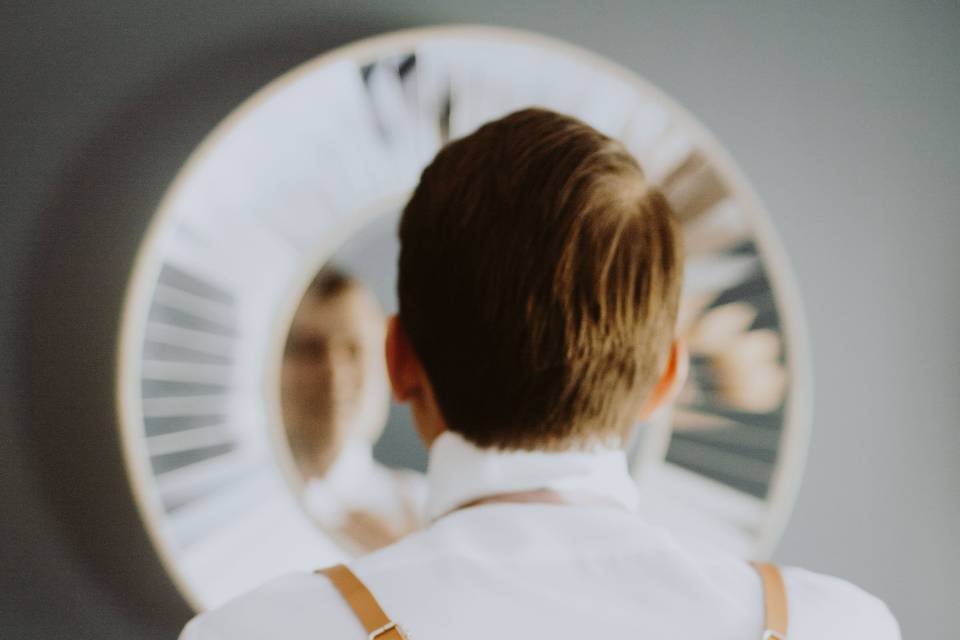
330	282
539	279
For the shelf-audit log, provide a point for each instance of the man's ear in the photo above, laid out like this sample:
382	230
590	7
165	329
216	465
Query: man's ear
403	365
670	382
410	383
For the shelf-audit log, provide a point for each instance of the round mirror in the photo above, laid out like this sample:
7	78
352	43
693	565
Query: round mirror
257	428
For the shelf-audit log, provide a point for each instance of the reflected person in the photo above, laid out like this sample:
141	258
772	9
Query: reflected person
335	401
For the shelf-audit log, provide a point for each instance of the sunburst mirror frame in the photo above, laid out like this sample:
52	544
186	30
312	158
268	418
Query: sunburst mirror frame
320	153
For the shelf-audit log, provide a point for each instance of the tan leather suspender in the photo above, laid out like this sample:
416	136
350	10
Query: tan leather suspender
774	601
364	605
380	627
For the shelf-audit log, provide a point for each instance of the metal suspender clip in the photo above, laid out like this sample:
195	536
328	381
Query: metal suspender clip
376	633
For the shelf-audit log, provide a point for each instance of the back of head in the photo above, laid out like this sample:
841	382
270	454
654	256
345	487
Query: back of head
539	279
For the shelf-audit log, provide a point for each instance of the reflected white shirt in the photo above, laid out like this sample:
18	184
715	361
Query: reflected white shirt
356	481
504	570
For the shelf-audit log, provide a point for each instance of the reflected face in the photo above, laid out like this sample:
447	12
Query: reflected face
334	378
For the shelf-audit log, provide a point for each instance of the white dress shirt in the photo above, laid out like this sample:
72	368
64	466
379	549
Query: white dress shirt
563	571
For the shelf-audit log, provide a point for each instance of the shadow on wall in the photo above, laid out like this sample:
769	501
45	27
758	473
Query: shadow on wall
77	276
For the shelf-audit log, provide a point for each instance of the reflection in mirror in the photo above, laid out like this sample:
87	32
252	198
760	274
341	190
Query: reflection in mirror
335	400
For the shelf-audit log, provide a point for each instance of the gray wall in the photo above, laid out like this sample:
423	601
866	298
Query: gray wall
844	115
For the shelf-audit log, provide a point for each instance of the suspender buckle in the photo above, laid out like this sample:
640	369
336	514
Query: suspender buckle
773	635
376	633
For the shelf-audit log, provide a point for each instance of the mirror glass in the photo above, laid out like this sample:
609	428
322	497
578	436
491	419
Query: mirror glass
358	457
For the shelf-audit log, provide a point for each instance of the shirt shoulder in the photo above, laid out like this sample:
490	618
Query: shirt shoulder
822	607
294	607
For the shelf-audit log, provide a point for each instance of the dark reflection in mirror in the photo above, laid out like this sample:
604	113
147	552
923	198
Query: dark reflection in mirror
335	403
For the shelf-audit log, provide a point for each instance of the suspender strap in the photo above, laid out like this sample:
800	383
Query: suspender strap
774	600
380	627
364	605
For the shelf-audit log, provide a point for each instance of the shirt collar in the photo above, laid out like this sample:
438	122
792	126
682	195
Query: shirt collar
460	472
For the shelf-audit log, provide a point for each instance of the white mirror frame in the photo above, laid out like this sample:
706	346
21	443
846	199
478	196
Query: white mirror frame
174	237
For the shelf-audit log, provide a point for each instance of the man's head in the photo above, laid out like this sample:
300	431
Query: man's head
538	285
333	382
